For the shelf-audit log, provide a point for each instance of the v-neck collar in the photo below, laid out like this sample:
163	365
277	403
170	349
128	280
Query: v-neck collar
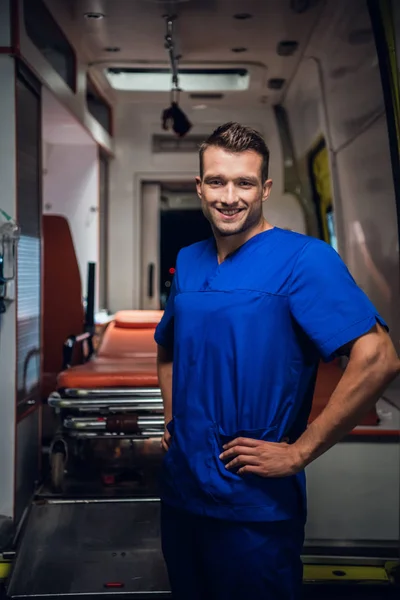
245	245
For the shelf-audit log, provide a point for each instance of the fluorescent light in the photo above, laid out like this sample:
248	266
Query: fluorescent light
190	80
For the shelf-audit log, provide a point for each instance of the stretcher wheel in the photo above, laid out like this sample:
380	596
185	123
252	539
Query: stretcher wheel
57	461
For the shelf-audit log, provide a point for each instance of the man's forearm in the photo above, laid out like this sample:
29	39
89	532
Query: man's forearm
356	393
164	371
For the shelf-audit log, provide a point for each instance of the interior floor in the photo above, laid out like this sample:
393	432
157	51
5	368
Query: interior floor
75	548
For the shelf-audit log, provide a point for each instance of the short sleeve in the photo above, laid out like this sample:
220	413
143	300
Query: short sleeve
164	333
326	301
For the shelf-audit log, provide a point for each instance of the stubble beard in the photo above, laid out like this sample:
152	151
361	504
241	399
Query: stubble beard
228	230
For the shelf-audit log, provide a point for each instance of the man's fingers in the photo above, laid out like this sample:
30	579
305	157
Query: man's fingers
250	469
237	450
242	442
165	443
242	460
250	443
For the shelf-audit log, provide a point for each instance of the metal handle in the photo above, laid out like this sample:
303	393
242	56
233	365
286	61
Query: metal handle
150	289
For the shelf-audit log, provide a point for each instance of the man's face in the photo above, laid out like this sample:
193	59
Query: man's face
232	190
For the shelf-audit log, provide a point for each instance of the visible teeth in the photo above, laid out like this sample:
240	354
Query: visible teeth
229	212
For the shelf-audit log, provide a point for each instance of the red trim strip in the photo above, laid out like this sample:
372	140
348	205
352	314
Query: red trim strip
28	412
376	431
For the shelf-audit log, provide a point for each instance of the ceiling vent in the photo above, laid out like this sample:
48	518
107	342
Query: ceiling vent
276	83
302	6
243	16
166	2
287	47
206	96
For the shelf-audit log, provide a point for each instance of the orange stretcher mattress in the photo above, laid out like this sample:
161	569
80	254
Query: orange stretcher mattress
110	373
127	356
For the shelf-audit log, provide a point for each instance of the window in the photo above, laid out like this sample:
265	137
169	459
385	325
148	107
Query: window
50	40
103	205
98	107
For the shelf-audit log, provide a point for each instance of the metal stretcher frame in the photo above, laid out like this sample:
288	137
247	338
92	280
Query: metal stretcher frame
103	397
101	410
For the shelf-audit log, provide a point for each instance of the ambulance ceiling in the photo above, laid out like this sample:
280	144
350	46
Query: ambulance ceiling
220	33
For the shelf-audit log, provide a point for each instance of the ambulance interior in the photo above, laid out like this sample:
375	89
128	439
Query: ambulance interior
103	106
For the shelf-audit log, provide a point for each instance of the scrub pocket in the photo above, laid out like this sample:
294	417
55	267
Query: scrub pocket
226	486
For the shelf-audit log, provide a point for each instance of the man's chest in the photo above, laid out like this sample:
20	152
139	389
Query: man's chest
235	275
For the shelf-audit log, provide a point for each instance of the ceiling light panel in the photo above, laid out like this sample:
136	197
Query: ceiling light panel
190	80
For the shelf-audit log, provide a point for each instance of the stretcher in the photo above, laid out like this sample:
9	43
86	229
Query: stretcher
114	396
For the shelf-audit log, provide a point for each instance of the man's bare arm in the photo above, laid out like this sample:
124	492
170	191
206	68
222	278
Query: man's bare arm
164	371
372	366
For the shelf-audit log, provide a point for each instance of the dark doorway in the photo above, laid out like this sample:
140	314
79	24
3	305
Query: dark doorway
178	228
103	258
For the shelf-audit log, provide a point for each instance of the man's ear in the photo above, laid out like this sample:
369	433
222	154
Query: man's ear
198	186
267	189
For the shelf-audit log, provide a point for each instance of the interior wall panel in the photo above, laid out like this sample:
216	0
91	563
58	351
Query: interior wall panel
7	320
29	337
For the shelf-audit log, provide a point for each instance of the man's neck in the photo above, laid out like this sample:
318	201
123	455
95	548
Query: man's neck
227	245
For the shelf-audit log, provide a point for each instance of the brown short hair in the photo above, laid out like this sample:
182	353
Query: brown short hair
234	137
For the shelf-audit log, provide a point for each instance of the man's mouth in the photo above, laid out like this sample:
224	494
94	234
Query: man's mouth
229	212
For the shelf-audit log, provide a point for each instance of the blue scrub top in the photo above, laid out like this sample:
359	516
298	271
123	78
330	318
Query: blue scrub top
247	336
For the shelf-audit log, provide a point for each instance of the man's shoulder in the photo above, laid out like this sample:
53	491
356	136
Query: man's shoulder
304	244
296	251
293	237
310	254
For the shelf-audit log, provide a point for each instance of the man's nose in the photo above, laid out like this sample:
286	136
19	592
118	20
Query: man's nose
229	196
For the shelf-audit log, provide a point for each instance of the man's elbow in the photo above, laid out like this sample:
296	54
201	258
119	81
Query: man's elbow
392	367
375	354
385	360
164	355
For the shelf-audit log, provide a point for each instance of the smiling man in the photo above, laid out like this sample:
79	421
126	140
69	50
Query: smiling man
251	313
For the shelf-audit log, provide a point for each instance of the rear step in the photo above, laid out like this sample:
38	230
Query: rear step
95	549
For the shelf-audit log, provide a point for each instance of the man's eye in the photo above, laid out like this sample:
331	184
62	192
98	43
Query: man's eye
214	182
245	183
